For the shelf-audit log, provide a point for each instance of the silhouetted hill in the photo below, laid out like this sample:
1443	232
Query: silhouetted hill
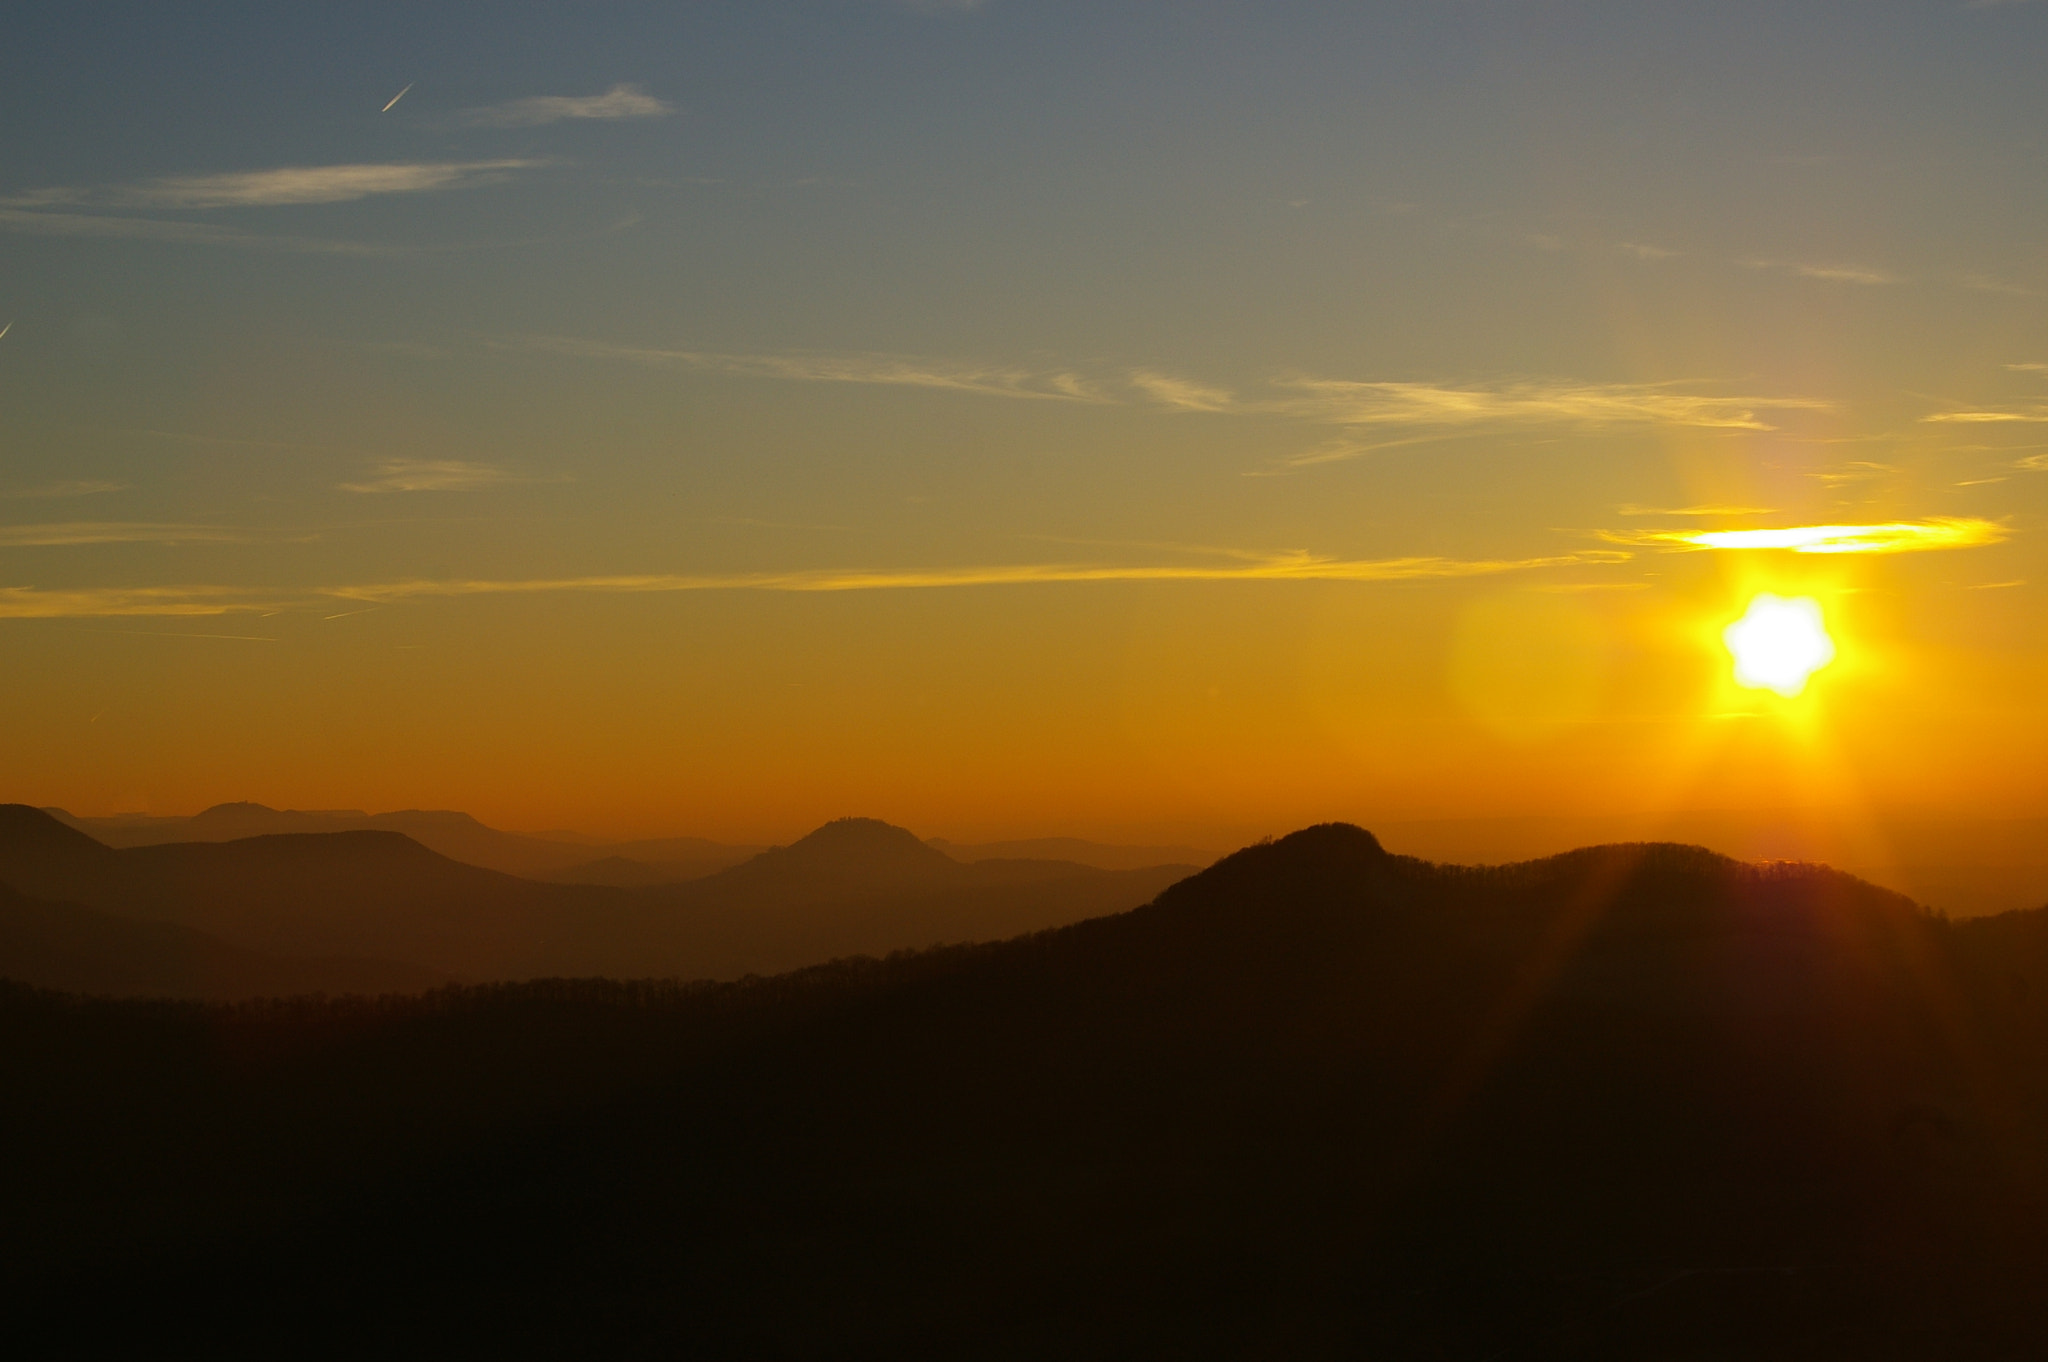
457	836
855	887
1633	1102
875	854
63	946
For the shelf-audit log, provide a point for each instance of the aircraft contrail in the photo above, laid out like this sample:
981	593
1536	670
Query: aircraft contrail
395	98
7	328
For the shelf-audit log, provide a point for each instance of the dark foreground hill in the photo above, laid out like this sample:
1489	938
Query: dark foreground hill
78	950
1634	1102
855	886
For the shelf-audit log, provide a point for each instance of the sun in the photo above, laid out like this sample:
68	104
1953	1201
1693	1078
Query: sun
1778	643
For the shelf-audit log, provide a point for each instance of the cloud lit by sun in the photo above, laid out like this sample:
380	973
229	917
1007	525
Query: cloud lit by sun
1901	536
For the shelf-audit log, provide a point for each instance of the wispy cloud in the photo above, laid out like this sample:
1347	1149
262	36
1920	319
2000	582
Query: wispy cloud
1342	402
619	102
1282	568
1856	470
991	380
1712	510
2033	463
1985	283
1298	567
1418	406
1644	251
116	532
1833	273
1899	536
1991	416
29	603
1180	393
53	491
282	186
1340	450
431	475
21	602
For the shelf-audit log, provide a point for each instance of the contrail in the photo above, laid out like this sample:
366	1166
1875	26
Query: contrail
7	328
395	98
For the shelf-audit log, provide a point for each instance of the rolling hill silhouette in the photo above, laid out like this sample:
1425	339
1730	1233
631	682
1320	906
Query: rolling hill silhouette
563	857
852	887
1631	1102
457	836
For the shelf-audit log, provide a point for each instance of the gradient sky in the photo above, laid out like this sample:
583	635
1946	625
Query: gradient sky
1019	417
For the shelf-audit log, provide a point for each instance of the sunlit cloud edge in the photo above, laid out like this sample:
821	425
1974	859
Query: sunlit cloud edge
1904	536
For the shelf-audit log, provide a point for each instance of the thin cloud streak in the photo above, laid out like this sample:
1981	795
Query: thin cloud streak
1279	568
283	186
1336	402
1631	509
431	475
1179	393
1900	536
882	370
1341	451
2035	416
1341	402
1828	273
619	102
30	603
116	532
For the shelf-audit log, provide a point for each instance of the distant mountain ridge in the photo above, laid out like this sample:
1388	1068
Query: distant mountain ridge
857	886
565	858
457	836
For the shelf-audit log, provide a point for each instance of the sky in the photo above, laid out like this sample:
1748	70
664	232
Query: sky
1145	421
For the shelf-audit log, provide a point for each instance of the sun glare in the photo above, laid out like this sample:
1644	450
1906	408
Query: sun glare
1778	643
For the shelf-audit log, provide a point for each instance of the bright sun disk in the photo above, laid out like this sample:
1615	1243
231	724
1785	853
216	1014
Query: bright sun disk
1778	643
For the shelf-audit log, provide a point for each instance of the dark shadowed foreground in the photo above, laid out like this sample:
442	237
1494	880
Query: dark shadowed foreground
1634	1102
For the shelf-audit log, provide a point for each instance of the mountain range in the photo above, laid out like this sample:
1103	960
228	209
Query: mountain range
564	857
458	836
407	916
1631	1102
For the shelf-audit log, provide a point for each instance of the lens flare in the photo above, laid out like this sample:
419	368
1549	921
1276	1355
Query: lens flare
1778	643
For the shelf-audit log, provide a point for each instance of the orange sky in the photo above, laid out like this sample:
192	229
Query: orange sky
1013	420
